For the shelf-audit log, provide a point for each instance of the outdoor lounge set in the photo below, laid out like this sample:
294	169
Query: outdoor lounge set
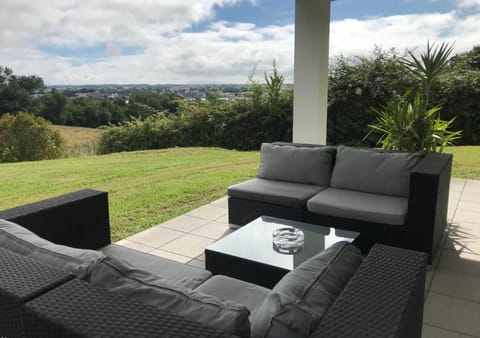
398	199
62	277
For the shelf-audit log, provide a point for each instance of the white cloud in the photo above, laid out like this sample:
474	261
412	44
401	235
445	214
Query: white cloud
169	52
353	36
468	3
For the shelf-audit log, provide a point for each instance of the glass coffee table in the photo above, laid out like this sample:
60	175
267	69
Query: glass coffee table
248	252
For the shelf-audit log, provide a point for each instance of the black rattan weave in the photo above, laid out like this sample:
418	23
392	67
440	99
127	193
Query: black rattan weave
79	219
76	309
383	299
22	279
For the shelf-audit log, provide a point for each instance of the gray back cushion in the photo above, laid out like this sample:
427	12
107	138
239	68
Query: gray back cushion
296	164
141	286
24	242
303	296
373	171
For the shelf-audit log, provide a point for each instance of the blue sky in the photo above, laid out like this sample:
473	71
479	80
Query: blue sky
207	41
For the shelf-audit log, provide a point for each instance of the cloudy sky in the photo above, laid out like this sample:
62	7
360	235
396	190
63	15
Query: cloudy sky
206	41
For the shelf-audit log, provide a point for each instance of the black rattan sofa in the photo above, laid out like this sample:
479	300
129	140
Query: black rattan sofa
427	189
384	298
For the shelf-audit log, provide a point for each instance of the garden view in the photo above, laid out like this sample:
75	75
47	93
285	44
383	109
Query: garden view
219	139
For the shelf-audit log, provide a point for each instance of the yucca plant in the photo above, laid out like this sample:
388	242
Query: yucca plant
409	122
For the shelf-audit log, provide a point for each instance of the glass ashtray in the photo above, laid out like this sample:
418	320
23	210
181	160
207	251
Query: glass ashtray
288	240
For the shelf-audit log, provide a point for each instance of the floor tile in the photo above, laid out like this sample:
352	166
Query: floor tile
460	261
208	212
223	219
464	237
469	195
454	196
472	183
469	206
221	203
184	223
456	188
188	245
466	215
452	314
451	213
457	284
197	263
156	236
201	257
457	181
170	255
428	280
214	230
135	246
436	332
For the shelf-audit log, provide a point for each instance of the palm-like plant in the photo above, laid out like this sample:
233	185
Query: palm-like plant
409	123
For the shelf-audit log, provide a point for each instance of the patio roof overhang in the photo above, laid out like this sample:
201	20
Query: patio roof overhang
312	30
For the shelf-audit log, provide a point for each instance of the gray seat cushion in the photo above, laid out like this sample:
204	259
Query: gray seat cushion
173	272
299	301
305	165
360	205
373	171
226	288
141	286
24	242
290	194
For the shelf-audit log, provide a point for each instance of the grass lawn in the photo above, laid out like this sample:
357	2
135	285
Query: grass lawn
145	188
466	161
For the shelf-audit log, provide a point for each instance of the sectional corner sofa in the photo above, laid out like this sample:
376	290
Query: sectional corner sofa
394	198
84	286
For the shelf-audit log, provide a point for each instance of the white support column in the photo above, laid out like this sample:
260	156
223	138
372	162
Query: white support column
312	30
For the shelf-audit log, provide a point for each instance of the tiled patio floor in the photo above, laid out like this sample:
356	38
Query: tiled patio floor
452	307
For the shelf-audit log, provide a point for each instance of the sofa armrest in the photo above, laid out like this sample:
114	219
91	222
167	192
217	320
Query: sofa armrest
428	201
384	298
79	219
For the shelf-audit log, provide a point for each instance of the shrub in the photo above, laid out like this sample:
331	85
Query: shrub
25	137
412	123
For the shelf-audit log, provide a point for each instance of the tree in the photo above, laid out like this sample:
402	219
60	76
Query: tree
51	107
16	91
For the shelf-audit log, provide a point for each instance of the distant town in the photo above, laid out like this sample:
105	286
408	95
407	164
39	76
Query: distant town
228	92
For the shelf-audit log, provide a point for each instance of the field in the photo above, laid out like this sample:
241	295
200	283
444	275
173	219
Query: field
145	188
79	141
466	161
149	187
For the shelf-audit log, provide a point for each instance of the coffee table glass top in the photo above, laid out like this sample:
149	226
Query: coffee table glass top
254	242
